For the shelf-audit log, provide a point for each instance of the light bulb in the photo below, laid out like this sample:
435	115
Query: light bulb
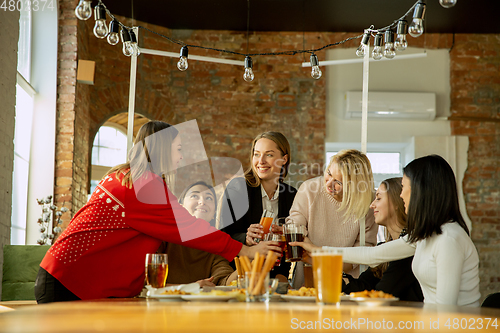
182	64
361	51
83	11
417	27
133	43
447	3
315	71
248	76
389	50
377	53
128	49
401	43
100	27
113	37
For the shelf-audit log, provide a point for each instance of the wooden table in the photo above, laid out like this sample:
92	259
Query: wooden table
141	315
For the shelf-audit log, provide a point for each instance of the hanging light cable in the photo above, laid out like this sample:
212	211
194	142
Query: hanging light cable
248	76
360	52
83	11
315	71
402	29
182	64
417	27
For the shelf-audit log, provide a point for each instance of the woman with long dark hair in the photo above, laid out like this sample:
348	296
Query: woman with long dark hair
445	261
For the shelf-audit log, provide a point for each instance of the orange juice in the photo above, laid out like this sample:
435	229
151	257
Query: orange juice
327	272
266	223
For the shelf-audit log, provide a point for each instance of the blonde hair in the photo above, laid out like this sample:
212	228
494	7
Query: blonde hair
284	147
146	145
357	182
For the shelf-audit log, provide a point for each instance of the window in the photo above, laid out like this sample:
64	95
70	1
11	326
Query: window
109	149
22	132
387	159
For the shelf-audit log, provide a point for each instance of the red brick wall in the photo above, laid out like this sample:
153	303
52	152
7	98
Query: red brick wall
283	96
475	108
66	106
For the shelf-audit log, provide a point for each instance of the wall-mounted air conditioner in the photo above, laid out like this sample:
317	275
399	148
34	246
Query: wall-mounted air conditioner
392	105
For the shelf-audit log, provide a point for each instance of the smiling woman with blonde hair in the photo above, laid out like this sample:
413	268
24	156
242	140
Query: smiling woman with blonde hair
331	206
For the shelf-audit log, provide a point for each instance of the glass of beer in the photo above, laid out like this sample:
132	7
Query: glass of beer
293	233
156	269
327	272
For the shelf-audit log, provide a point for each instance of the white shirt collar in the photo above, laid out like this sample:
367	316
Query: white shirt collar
264	194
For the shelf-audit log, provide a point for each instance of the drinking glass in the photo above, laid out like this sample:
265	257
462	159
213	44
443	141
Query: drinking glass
280	238
156	269
257	287
327	272
293	233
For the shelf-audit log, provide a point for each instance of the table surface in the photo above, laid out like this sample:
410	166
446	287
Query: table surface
151	315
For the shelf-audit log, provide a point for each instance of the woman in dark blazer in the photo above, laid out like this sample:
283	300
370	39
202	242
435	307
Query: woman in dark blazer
262	188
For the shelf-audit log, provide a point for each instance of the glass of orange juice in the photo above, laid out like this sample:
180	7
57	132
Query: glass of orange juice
156	269
327	274
266	220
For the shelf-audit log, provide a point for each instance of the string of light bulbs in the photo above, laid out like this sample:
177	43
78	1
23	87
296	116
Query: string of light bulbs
116	29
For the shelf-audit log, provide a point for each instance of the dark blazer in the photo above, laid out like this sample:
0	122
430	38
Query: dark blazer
241	205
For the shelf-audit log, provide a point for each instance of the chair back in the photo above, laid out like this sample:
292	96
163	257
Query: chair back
20	267
492	301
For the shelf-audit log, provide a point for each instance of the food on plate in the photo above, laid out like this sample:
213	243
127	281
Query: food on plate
371	294
175	292
302	292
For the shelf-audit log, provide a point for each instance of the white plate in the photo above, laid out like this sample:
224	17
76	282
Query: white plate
293	298
207	298
167	298
368	301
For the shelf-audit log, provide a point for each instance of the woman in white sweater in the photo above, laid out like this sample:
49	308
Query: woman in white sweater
332	206
445	259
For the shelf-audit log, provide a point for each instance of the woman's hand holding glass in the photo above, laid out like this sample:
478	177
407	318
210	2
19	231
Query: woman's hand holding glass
254	231
308	246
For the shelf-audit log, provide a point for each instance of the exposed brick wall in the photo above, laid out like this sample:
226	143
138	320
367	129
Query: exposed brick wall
475	106
9	35
72	139
230	112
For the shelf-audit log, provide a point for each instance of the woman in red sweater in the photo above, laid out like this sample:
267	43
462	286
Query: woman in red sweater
102	251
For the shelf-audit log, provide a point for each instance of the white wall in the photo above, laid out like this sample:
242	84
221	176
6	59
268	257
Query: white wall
429	74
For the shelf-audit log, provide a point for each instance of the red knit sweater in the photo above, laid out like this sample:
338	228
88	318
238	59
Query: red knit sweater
102	251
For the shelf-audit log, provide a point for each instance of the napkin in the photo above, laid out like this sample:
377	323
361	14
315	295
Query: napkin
192	288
